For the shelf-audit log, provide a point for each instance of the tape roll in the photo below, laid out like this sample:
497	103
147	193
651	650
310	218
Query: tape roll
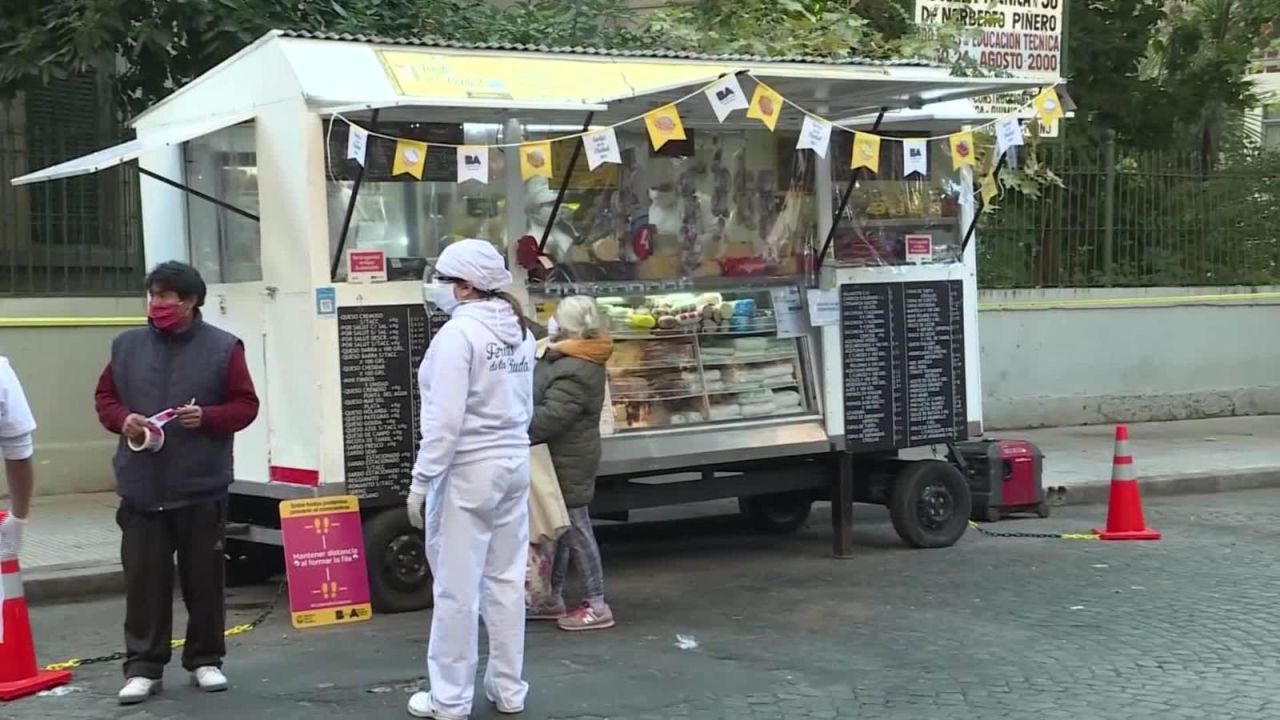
152	440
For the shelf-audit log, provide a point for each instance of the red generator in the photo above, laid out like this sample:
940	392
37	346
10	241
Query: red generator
1004	478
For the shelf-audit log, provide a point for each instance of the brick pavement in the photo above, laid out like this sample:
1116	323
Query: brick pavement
993	628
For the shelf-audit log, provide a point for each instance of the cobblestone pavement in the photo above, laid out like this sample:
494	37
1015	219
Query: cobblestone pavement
994	628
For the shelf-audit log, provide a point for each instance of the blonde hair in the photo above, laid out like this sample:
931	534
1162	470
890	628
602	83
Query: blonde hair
579	318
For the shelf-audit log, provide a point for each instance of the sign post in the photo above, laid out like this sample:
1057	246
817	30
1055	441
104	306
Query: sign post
324	561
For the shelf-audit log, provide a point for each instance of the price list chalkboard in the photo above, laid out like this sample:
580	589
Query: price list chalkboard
904	376
380	348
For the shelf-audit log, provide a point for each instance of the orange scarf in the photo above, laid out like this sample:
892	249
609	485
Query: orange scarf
596	350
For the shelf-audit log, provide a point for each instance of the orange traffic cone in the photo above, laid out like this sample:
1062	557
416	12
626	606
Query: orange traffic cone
19	674
1125	520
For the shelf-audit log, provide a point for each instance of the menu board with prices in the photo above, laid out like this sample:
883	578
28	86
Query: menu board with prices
904	376
380	348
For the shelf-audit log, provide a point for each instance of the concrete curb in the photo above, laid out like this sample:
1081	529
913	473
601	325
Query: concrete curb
76	581
1183	484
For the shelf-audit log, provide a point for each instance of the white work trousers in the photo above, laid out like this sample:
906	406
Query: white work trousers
477	544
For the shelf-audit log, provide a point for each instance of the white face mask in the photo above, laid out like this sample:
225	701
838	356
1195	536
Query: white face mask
553	328
441	295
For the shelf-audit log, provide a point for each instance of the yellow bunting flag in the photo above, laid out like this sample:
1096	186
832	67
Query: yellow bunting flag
989	189
411	158
1049	106
962	150
766	106
535	160
664	124
866	151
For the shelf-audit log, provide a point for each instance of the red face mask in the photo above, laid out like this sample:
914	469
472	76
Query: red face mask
166	318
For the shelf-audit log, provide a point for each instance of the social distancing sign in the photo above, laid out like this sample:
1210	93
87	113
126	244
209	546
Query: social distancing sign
324	560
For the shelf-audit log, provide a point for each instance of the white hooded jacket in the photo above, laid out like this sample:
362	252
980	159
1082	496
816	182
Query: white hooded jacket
476	384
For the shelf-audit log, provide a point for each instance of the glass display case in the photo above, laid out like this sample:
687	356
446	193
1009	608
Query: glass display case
898	219
691	358
719	204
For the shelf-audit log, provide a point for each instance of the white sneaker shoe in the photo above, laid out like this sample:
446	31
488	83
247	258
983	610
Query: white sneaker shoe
209	679
421	706
138	689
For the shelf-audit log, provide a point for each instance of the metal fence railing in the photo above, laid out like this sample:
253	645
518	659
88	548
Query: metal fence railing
1137	219
76	236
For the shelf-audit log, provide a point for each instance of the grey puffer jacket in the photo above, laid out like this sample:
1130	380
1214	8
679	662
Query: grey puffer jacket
568	394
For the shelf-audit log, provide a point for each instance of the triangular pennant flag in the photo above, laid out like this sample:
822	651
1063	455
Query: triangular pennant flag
473	164
664	124
357	143
915	157
1049	106
1008	134
866	151
815	135
989	189
411	158
726	96
766	106
535	160
962	150
601	147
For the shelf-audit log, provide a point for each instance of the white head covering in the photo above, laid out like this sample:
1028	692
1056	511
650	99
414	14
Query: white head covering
475	261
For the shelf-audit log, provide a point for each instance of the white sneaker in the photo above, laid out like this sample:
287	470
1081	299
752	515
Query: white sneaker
421	706
138	689
209	679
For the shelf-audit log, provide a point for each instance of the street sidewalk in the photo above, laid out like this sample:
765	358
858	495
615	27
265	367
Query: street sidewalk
72	543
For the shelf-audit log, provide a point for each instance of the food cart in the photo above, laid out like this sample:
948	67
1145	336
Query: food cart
313	178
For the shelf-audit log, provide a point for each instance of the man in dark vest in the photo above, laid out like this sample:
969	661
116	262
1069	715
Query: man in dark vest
172	477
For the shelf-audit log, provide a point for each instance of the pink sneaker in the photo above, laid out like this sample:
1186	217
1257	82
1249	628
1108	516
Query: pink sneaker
587	618
546	611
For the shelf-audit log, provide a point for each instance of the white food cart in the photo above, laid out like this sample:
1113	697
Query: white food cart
745	367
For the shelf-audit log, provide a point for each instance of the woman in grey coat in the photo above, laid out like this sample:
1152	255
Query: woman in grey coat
568	395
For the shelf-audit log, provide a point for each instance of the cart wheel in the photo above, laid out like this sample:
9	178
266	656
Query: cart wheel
250	563
992	514
930	505
780	513
1043	509
396	553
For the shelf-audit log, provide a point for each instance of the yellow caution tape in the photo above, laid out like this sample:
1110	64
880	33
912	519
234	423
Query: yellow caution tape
1083	303
1042	536
65	322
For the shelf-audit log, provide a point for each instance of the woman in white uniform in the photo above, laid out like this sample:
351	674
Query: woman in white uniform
472	475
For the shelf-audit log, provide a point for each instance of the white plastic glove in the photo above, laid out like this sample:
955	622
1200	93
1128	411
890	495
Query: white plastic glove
415	504
11	536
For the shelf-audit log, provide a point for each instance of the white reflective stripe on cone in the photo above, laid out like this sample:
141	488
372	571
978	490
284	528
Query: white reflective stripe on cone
11	586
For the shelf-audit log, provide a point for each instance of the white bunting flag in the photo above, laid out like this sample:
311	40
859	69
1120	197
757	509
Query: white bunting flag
357	143
1008	135
815	135
727	96
602	147
473	164
915	157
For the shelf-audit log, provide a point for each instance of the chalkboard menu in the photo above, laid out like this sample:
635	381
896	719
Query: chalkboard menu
381	347
903	351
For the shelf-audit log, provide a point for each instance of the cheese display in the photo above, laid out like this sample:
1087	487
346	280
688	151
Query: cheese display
685	359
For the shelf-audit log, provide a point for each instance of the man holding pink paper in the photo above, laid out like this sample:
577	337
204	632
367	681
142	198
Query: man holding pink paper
177	392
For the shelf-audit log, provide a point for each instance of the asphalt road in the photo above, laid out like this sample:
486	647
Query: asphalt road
993	628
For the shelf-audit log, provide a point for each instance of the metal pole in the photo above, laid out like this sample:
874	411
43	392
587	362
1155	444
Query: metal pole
1108	201
564	185
973	224
844	203
209	198
351	206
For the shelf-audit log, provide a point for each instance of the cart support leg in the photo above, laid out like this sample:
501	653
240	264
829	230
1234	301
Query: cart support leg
842	507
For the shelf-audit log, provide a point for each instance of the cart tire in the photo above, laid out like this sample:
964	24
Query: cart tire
395	551
931	504
250	563
781	513
992	514
1043	510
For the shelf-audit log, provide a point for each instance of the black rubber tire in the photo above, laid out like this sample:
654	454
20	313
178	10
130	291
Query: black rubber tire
930	504
1043	510
250	563
780	513
992	514
395	552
